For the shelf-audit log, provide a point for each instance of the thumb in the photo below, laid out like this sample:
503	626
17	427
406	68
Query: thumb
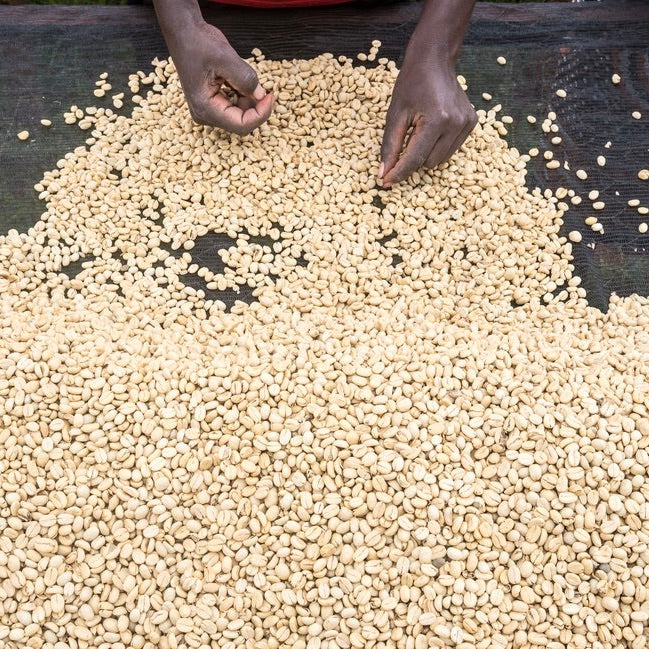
241	77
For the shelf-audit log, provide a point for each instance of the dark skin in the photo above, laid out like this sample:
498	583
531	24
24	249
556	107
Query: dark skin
429	116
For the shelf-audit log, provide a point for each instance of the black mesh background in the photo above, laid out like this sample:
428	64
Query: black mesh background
51	56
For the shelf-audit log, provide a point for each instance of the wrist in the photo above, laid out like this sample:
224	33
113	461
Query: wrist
440	31
178	19
426	50
425	54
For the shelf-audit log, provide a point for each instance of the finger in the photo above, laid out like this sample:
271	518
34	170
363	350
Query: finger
226	115
451	149
396	127
241	76
422	139
441	151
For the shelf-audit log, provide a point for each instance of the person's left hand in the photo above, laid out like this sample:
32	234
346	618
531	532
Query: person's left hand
429	101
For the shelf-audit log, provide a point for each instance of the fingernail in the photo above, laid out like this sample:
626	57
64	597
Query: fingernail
259	93
381	168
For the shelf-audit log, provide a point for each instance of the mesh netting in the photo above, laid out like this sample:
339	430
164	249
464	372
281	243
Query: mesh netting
52	56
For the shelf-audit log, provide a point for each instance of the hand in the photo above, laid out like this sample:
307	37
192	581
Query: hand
429	101
206	63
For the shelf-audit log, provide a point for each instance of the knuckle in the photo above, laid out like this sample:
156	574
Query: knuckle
457	121
471	120
445	117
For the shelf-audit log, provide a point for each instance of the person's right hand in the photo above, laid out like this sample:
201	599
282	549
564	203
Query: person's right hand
206	64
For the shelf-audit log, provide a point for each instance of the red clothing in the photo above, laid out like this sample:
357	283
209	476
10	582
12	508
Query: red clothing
278	4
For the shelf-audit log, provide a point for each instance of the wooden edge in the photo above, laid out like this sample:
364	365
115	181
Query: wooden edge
49	15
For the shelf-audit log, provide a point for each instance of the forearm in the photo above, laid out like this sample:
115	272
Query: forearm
440	30
177	17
